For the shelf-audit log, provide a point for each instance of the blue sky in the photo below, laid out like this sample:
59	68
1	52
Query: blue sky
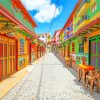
45	15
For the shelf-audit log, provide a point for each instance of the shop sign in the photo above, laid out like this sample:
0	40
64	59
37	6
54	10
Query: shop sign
22	42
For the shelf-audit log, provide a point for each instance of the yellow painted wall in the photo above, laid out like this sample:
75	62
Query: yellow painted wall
86	44
25	55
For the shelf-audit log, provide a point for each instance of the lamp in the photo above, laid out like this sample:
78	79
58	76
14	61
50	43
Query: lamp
85	38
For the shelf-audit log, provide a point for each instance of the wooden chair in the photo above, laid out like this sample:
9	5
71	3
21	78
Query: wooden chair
97	80
93	80
68	62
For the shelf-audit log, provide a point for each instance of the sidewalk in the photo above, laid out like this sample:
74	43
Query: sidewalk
7	84
50	80
61	58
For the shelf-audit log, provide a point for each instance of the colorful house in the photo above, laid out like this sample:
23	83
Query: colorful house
56	40
87	24
65	35
80	35
62	48
16	35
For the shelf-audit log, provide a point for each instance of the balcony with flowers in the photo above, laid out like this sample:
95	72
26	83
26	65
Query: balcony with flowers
84	20
83	7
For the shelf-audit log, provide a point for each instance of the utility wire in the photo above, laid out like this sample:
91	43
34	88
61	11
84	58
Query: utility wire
52	22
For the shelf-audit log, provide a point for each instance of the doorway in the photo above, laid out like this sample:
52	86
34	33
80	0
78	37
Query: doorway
94	54
7	56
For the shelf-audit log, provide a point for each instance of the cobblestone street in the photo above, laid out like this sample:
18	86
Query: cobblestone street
49	80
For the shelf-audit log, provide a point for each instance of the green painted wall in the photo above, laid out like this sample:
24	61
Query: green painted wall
79	58
8	5
78	54
76	45
89	11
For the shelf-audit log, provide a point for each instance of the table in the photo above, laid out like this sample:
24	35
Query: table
84	69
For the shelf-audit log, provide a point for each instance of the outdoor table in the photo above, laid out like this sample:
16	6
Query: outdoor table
84	69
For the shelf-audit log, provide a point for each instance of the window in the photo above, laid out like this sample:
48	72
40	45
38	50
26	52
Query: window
22	46
73	47
86	0
81	47
42	36
15	9
93	7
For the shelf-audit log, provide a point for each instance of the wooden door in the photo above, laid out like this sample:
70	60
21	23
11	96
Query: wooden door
1	59
29	52
7	56
68	53
4	71
12	55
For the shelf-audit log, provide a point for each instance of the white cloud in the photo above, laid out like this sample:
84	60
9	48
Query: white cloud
45	10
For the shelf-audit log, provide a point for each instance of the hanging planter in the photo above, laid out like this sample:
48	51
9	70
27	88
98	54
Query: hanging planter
80	39
24	33
7	26
34	41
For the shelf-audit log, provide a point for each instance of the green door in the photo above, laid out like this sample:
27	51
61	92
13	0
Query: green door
95	52
98	52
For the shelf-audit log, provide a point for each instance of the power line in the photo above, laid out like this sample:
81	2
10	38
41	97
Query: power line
52	22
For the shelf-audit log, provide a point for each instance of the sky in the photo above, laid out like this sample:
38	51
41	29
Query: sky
49	15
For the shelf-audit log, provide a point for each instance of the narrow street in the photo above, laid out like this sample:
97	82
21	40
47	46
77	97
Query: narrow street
48	80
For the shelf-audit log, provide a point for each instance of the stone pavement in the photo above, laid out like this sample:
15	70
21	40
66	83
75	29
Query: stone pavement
48	80
12	80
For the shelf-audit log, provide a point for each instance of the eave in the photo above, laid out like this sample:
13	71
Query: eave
19	5
91	27
7	14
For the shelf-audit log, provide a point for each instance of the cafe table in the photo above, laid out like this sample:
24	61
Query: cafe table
84	69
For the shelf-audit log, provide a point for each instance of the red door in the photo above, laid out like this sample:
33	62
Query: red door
68	52
1	60
4	71
12	55
7	56
29	51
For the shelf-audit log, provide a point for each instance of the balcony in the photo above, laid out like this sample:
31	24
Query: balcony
83	7
83	21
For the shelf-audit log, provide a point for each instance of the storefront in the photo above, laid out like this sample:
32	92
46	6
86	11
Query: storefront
16	35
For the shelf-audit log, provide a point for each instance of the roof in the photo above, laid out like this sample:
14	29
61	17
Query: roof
19	5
